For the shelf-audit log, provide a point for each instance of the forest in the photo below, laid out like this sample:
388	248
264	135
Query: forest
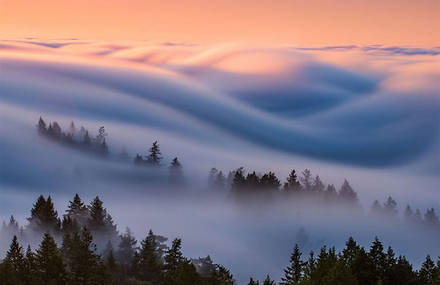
239	185
85	247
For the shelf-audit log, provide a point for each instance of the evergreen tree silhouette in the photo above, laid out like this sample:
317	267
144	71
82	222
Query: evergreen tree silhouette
293	272
49	263
42	126
154	157
175	172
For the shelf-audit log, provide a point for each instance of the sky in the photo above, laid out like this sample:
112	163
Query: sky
306	22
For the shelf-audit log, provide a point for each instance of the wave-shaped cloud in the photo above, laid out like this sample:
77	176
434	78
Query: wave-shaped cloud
290	102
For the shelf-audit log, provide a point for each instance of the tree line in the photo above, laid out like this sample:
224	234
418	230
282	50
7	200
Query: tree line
68	254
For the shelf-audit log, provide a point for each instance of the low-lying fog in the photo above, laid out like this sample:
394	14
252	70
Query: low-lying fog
356	125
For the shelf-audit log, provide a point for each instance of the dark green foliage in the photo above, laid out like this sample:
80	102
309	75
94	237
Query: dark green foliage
44	218
16	259
293	272
49	263
78	261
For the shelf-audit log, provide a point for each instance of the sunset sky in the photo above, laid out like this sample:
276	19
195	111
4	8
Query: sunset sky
311	22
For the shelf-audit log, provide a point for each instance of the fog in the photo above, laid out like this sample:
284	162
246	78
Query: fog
296	108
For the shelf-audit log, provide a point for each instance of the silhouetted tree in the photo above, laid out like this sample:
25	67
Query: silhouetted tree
49	263
293	272
176	172
154	157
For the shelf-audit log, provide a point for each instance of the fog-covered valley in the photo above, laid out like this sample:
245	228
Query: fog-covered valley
300	110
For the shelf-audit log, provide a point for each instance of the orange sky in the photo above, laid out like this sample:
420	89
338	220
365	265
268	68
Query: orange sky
306	22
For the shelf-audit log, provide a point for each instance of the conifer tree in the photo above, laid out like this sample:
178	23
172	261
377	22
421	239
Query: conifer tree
154	157
253	282
389	207
127	249
292	182
293	272
150	263
176	172
268	281
49	263
77	211
347	194
138	160
97	215
15	257
428	272
42	126
87	141
306	179
81	257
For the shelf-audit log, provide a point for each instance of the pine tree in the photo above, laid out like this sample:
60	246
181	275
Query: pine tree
15	257
270	182
77	211
42	126
138	160
87	141
431	218
154	157
378	257
347	194
428	271
44	217
318	186
127	249
97	215
252	282
306	179
292	182
389	207
49	263
81	257
268	281
293	273
176	172
150	263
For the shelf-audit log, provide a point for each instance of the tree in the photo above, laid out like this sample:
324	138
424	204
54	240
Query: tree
150	264
176	172
97	215
15	257
127	249
76	210
49	263
428	272
330	194
154	157
44	217
252	282
377	255
306	179
347	194
87	141
431	218
270	182
138	160
268	281
42	126
100	137
81	258
222	276
292	184
293	272
318	186
390	207
408	214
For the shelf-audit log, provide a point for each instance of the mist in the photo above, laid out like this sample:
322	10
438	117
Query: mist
297	109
